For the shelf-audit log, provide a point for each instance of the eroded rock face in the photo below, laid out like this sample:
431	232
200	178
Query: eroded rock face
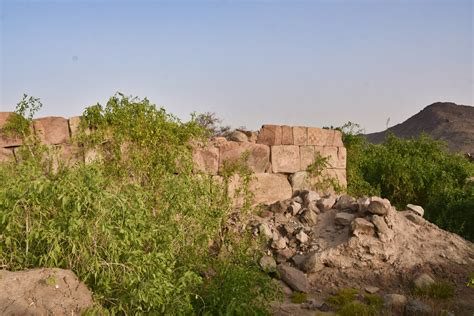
42	292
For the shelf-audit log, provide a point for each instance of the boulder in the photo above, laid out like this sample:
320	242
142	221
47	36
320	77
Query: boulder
417	308
423	281
257	155
206	159
270	135
414	218
371	289
302	237
294	208
285	159
43	292
267	263
269	188
396	301
280	206
238	136
361	226
300	135
346	203
379	206
308	217
343	219
279	243
326	203
309	197
363	203
52	130
295	279
418	210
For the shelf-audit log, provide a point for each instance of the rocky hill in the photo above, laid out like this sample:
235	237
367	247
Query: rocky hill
445	121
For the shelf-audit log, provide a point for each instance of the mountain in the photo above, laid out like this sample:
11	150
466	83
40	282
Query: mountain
445	121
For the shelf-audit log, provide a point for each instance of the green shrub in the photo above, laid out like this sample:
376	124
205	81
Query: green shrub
298	297
136	226
440	290
344	296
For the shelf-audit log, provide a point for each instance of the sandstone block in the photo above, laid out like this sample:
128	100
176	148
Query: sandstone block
319	136
337	174
258	159
341	157
6	155
269	188
8	141
295	279
270	135
337	139
285	159
206	159
300	181
300	135
307	155
52	130
287	135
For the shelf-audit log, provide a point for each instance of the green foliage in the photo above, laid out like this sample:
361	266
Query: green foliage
211	124
318	180
19	123
343	297
345	302
470	283
356	308
440	290
418	171
299	297
135	226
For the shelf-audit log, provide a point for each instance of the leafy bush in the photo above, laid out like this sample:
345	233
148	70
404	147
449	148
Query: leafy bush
418	171
440	290
345	303
136	225
298	297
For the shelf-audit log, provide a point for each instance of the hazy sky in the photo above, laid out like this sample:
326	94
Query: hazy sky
294	62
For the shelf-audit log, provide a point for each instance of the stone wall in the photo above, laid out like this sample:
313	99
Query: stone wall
278	155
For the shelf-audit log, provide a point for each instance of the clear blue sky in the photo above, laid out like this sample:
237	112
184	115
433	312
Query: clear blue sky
252	62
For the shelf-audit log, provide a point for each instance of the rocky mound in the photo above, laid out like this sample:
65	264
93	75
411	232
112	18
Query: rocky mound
443	121
42	292
319	245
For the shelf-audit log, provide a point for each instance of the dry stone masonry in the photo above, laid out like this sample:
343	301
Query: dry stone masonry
278	155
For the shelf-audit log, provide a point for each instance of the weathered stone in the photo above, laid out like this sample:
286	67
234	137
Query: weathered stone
418	210
302	237
258	158
294	208
252	136
423	281
363	203
337	174
313	207
298	260
238	136
297	199
269	135
6	155
52	130
280	206
295	279
206	159
265	230
319	136
74	125
307	155
379	206
279	243
8	141
361	226
343	219
326	203
383	231
269	188
417	308
300	135
346	203
396	301
416	219
312	263
285	159
337	139
372	289
300	181
284	255
267	263
308	217
93	155
309	196
287	135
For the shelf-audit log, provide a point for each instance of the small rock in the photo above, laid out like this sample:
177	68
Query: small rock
302	237
372	289
379	206
423	281
343	219
361	226
415	218
298	260
395	300
310	196
417	308
265	230
286	289
313	304
326	203
279	243
267	263
294	208
298	199
308	217
346	203
285	255
294	278
382	228
363	204
280	206
416	209
238	136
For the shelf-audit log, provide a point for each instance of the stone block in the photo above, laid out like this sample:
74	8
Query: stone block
8	141
269	188
206	160
300	135
337	139
341	157
287	135
52	130
337	174
269	135
285	159
318	136
306	156
300	181
6	155
258	159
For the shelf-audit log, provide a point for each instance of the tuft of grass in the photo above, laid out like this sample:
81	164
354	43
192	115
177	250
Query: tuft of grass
355	308
374	300
51	280
299	297
441	290
343	297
